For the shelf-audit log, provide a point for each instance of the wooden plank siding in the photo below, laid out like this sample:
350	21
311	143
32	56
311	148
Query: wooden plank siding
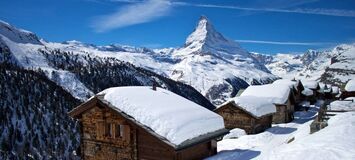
284	112
346	94
96	145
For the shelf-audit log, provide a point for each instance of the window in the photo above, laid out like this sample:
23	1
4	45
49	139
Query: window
108	130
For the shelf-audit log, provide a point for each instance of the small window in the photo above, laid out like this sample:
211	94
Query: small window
108	130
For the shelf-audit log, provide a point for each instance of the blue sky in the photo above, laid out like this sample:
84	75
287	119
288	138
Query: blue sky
263	26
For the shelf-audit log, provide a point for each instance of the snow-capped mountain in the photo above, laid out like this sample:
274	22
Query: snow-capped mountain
18	35
335	66
214	65
282	65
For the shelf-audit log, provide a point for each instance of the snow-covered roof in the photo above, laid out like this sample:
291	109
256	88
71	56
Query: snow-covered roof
350	86
307	92
276	93
347	104
310	84
166	113
292	84
257	106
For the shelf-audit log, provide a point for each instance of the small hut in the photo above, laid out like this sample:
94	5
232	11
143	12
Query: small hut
146	123
252	114
327	91
314	86
278	94
349	89
307	95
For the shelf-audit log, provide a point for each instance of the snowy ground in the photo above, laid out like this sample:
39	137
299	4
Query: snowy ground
293	141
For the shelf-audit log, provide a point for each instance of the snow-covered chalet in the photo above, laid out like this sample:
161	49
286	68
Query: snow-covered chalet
146	123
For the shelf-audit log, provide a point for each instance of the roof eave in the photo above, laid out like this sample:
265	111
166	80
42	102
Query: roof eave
201	139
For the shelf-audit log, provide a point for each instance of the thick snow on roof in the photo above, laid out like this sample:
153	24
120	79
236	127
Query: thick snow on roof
350	86
166	113
257	106
290	83
307	92
346	105
310	84
277	93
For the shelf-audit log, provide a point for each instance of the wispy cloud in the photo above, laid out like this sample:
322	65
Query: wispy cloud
315	11
143	11
132	14
285	43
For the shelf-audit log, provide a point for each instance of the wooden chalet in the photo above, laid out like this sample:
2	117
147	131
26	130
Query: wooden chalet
328	91
349	89
314	86
280	95
254	116
113	129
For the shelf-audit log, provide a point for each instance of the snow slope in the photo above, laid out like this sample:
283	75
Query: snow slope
293	141
166	113
24	47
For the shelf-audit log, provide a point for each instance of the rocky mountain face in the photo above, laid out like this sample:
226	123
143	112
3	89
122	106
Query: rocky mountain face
333	66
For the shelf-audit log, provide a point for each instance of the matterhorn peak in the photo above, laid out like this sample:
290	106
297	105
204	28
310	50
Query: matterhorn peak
206	39
202	32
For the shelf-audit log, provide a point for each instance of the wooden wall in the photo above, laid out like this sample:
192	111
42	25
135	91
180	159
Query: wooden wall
94	143
199	151
152	148
284	113
346	94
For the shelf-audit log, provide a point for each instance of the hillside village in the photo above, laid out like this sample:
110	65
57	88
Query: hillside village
261	121
210	99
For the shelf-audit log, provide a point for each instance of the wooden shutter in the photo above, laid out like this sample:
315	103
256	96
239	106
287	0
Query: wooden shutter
99	129
126	133
108	130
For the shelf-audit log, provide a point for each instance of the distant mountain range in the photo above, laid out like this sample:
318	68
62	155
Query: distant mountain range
214	65
334	66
